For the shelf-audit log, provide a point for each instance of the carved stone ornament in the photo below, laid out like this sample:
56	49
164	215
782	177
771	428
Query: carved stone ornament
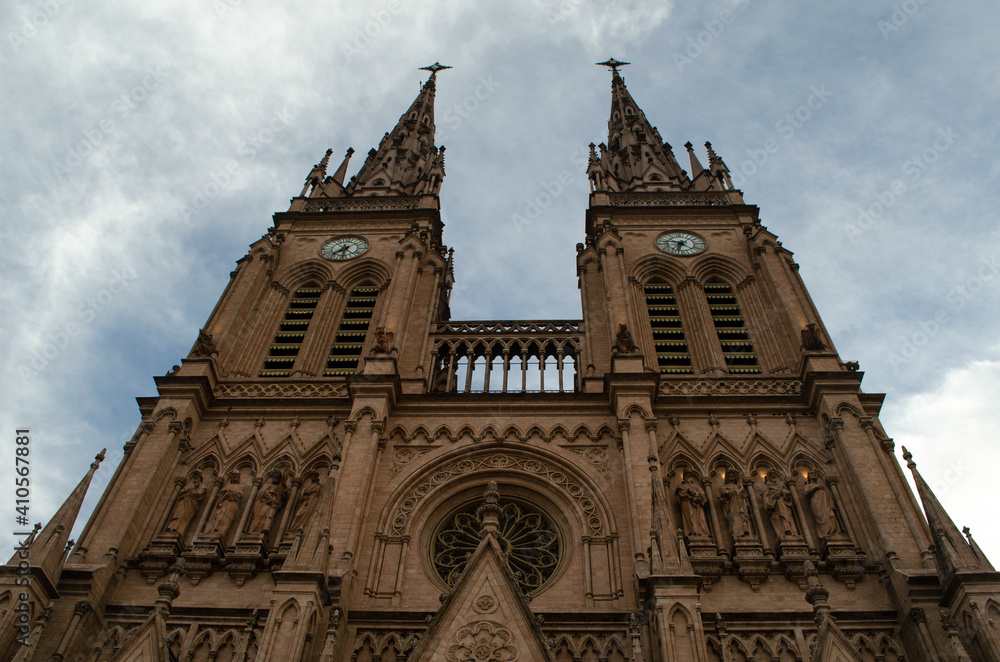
186	505
623	340
811	339
204	346
485	604
736	387
286	390
483	641
692	498
383	341
270	498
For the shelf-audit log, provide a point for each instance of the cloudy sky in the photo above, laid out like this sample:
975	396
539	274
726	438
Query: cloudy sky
147	144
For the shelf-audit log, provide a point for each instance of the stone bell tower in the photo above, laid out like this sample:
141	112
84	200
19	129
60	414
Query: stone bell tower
338	471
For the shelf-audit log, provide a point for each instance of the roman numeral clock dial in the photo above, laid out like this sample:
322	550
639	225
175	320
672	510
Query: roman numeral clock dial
680	243
343	248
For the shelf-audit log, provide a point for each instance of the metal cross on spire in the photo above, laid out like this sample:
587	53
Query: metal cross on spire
434	68
612	64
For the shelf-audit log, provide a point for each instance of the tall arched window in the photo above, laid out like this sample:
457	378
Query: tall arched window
291	332
672	353
350	338
731	329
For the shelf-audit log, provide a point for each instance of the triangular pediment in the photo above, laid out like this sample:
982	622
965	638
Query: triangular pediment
485	618
832	645
148	643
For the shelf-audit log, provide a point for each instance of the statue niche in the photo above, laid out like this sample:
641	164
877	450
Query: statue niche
821	505
693	499
186	506
778	504
307	502
734	501
269	500
226	505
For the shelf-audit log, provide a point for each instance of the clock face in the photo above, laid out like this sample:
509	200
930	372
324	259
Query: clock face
343	248
680	243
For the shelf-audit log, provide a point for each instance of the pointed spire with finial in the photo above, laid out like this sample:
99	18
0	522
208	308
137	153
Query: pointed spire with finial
406	157
338	177
718	167
635	157
405	163
952	552
47	551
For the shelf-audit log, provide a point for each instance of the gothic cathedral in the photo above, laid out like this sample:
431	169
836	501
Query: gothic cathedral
340	472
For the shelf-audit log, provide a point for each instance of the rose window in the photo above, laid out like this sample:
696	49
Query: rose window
528	538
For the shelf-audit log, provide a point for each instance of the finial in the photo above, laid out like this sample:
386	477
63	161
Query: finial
434	68
908	456
490	510
612	64
98	459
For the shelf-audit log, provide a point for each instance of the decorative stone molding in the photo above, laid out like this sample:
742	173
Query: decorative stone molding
493	462
736	387
483	641
664	199
286	390
361	204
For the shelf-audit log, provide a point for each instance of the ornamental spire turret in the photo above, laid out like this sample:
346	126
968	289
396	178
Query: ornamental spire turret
48	549
635	157
406	161
953	553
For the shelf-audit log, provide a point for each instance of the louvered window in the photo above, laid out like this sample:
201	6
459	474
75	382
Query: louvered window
731	329
350	338
291	333
672	353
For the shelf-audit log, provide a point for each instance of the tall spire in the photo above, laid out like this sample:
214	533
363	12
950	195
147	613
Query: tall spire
952	551
635	157
48	549
406	161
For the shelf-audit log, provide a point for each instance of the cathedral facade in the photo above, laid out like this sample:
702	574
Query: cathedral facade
339	471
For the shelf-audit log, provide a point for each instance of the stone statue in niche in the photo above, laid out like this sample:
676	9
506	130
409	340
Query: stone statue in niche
778	504
269	500
186	505
822	508
734	501
307	501
383	341
693	499
623	340
226	505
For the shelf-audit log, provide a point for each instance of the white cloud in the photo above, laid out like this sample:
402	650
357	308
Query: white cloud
953	432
